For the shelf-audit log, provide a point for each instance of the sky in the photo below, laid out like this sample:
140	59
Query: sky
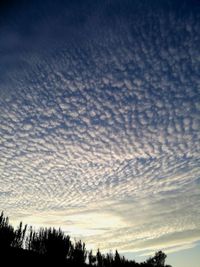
100	122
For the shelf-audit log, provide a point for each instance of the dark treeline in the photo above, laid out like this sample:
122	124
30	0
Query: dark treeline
50	247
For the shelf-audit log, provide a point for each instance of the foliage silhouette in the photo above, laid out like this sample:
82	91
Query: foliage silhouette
7	233
20	233
9	236
91	258
158	259
78	253
50	242
52	247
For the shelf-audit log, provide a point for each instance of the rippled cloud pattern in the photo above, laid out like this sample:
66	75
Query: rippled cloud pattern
100	120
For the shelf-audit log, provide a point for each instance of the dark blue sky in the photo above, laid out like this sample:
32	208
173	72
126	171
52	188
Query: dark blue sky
100	120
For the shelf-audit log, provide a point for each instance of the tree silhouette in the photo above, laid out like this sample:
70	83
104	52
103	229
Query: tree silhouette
117	259
99	259
158	260
50	246
78	253
50	242
20	233
7	233
91	258
109	260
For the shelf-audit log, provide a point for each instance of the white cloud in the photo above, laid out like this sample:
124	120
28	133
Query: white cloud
105	129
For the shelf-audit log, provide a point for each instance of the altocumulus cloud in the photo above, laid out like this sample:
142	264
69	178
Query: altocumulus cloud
100	120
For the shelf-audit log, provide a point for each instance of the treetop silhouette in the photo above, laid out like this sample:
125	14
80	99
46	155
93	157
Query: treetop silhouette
49	245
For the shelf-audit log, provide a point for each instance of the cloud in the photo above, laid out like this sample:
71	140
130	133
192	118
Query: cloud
100	124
